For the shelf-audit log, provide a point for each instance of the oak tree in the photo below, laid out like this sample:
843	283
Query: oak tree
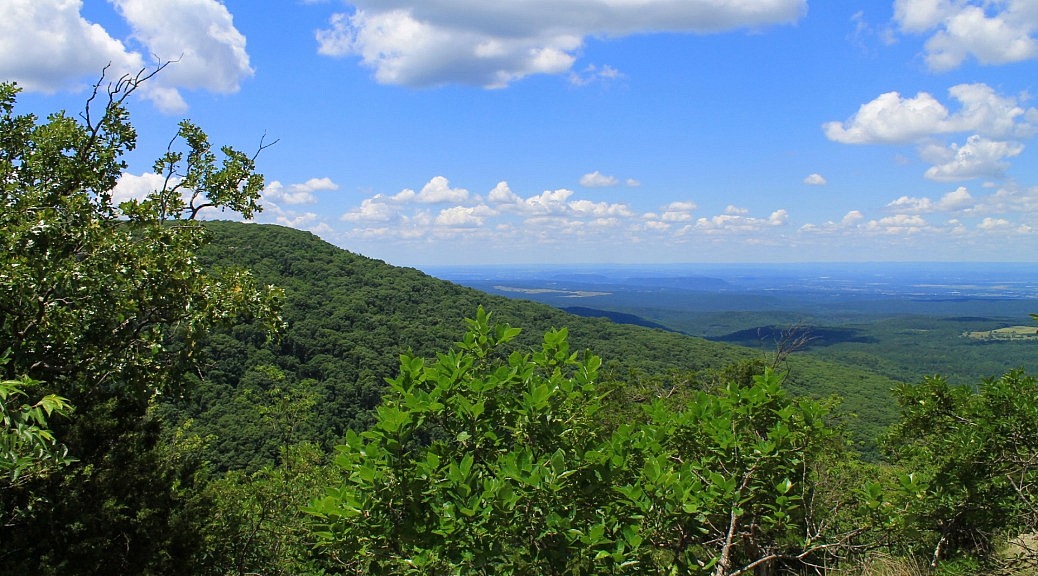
106	304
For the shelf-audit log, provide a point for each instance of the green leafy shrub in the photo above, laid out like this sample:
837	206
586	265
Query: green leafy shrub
494	462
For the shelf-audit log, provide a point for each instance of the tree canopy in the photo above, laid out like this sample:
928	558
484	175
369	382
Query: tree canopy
104	305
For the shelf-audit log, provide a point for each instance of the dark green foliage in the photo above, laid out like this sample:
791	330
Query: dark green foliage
904	346
255	523
741	477
134	491
816	336
617	317
107	306
973	459
347	318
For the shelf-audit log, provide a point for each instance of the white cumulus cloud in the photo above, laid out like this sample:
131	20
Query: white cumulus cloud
502	194
853	217
1013	199
958	199
501	215
995	224
298	193
977	158
899	224
134	187
815	179
892	118
491	44
778	217
438	190
597	180
737	220
199	36
989	31
677	212
374	209
600	209
997	125
463	216
47	45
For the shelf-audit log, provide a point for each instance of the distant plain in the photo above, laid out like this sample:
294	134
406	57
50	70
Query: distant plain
900	320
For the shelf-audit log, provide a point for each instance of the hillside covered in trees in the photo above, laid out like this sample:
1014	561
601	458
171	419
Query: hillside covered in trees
348	318
227	398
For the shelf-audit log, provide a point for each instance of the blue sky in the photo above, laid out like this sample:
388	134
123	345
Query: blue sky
432	132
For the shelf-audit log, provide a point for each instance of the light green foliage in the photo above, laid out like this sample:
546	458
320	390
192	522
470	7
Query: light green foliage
193	181
491	463
28	448
728	483
477	464
971	463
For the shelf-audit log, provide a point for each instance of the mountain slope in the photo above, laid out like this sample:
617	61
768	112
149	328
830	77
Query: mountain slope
350	317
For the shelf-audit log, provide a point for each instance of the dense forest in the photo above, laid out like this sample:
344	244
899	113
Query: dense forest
181	397
349	318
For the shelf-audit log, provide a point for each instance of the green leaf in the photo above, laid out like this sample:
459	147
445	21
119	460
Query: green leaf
558	462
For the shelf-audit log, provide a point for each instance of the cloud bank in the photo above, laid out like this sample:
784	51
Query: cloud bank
488	225
491	44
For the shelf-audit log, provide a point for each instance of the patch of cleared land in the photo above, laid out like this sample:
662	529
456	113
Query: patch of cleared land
1007	333
565	293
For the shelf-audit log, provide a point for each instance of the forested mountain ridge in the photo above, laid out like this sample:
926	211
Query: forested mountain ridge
349	318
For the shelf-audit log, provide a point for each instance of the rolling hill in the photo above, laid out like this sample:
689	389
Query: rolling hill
350	317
